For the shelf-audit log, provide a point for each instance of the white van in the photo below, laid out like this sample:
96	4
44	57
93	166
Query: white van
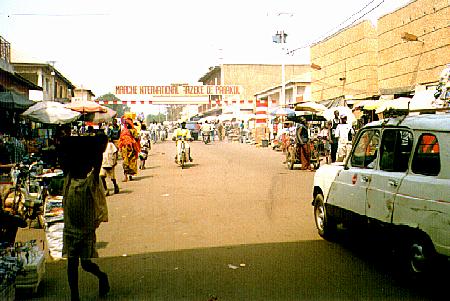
397	179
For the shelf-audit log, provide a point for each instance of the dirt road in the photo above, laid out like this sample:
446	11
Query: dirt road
235	225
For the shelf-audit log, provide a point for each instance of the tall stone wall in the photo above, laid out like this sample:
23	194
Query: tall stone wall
403	64
348	63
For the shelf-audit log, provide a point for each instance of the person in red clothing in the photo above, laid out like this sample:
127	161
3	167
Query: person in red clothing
130	148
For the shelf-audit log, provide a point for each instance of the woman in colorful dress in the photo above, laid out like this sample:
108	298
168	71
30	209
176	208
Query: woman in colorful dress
130	148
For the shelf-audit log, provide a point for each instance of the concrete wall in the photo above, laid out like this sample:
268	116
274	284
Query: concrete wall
377	61
402	64
258	77
348	62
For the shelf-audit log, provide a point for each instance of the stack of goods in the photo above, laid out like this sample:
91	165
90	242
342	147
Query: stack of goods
9	267
21	266
33	265
54	225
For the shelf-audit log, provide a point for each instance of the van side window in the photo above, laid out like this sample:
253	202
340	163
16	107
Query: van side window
426	159
395	150
366	148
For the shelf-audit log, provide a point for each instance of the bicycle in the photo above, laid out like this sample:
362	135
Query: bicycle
29	194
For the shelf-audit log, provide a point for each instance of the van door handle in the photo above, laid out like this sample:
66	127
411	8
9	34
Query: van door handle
365	179
393	183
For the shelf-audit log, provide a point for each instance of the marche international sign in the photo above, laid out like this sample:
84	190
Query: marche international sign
175	94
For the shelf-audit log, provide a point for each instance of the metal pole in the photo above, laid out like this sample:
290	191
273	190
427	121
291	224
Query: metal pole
283	75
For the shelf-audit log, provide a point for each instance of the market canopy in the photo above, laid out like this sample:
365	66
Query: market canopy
14	101
401	103
100	117
86	106
50	112
310	106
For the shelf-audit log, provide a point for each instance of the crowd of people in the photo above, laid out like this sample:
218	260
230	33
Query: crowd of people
331	139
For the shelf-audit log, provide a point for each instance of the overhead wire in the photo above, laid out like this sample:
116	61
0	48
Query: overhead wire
291	52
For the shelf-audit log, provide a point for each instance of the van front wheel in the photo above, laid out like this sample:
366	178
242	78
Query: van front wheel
325	224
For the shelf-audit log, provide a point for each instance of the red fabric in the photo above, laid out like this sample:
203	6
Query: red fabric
126	138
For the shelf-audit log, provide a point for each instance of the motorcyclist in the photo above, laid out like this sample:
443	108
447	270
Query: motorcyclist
178	134
205	129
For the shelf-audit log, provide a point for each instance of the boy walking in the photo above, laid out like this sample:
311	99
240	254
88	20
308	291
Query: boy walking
109	165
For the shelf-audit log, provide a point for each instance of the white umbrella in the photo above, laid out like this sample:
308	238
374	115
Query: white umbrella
282	112
328	114
310	106
51	112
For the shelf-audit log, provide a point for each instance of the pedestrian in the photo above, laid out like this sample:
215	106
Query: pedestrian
325	136
213	129
334	140
145	147
220	131
302	142
241	131
109	163
130	148
344	132
113	131
84	206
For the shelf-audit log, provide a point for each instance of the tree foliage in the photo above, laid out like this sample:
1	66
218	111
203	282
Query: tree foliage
119	107
155	118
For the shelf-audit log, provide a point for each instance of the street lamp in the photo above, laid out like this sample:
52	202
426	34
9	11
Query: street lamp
409	37
280	38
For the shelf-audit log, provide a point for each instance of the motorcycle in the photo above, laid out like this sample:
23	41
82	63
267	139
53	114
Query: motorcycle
206	137
182	156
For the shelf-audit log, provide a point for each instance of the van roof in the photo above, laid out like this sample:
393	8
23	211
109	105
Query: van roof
432	122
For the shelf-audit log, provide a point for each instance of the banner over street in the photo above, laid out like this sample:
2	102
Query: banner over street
179	91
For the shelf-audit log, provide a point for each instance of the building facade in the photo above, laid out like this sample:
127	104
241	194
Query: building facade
54	85
297	90
10	81
404	64
253	78
345	64
80	94
403	54
14	93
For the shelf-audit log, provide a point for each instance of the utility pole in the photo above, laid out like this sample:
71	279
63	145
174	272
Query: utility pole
280	38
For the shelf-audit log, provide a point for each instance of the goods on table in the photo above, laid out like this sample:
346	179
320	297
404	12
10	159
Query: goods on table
22	266
54	225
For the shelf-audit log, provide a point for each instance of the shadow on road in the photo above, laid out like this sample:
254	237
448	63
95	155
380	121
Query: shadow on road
307	270
139	178
190	165
151	167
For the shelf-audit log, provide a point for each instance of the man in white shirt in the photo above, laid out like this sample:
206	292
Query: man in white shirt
344	132
205	129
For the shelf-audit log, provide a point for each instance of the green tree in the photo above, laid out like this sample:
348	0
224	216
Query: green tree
119	108
155	118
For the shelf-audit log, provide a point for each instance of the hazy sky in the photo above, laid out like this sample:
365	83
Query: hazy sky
98	44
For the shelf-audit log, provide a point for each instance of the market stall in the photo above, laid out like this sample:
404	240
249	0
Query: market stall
22	264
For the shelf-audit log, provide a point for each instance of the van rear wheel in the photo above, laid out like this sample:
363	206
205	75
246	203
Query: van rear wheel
419	256
325	224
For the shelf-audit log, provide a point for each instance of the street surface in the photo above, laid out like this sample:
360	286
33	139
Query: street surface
235	225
